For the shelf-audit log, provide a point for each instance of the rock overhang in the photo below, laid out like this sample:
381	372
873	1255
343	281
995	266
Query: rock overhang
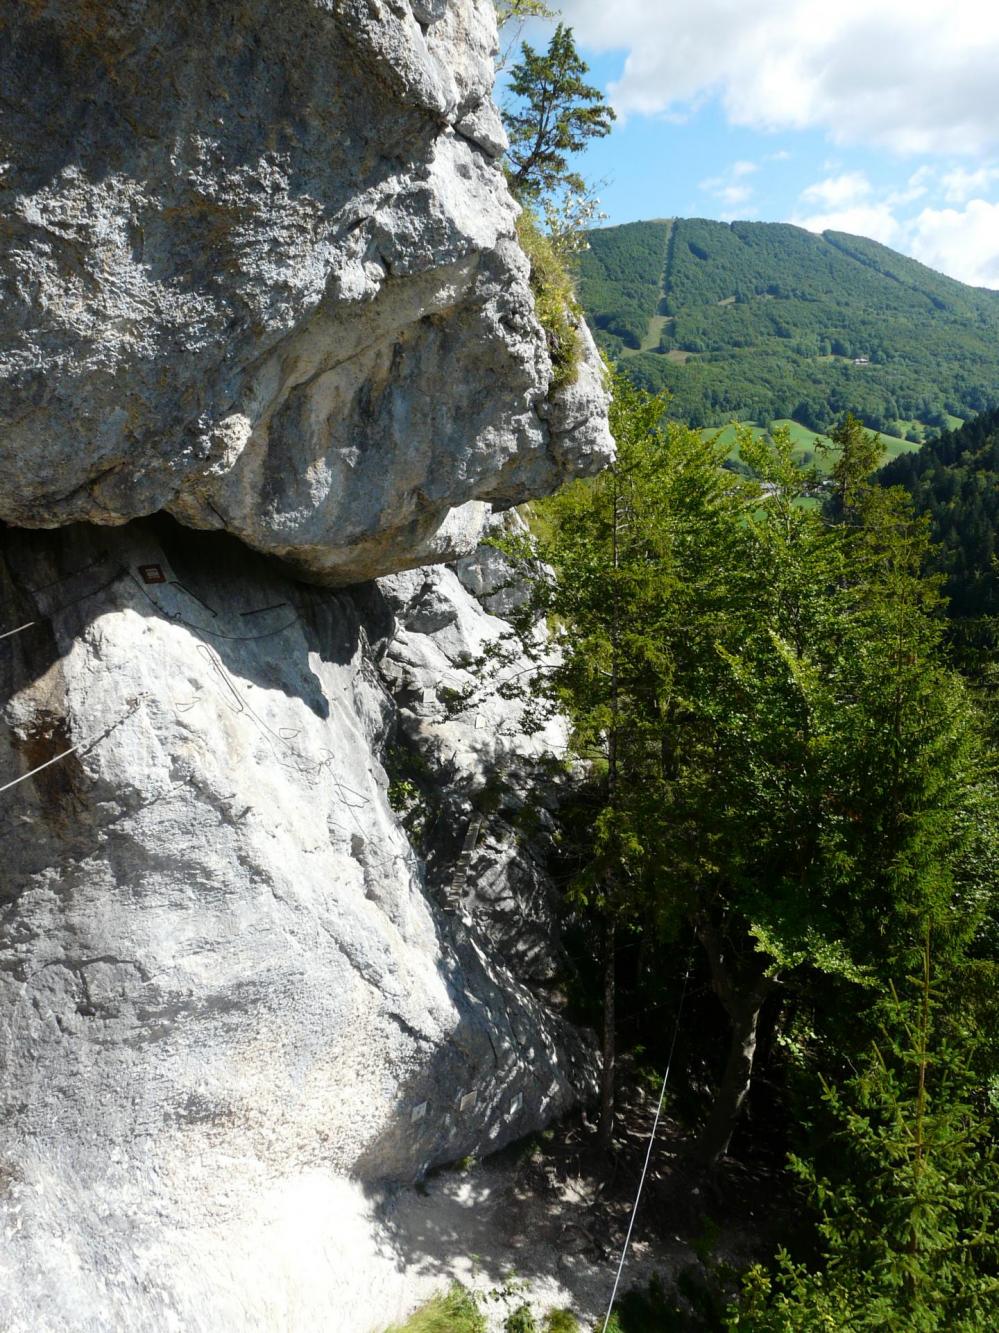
264	276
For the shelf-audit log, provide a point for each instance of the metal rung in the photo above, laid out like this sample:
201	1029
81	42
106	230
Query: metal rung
453	895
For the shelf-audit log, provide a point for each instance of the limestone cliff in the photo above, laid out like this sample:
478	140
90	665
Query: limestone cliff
224	973
259	270
266	333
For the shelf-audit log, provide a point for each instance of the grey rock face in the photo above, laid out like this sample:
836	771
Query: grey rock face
225	986
259	270
480	755
487	574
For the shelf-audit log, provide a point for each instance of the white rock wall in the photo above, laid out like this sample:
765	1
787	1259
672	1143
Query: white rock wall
224	984
259	273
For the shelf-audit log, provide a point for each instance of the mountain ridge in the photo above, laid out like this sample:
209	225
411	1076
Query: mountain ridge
765	320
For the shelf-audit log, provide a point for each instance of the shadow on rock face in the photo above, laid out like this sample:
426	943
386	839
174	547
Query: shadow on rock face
60	583
247	638
534	1068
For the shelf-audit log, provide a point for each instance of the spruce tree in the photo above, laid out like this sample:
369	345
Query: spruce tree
787	767
910	1214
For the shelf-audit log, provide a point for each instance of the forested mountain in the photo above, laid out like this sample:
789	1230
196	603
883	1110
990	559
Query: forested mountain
955	479
760	320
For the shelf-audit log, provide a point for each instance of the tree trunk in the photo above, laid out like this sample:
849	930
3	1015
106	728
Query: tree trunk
716	1135
607	1069
742	986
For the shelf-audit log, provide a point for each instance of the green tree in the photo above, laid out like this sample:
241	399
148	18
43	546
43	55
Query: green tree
517	11
910	1216
556	113
845	777
643	555
511	16
786	766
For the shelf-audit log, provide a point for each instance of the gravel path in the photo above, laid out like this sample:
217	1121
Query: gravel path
514	1231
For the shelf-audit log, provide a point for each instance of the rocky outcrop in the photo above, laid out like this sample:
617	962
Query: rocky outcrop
264	319
477	751
259	270
223	972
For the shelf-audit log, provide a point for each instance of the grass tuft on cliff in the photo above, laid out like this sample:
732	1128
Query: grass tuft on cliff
558	310
456	1311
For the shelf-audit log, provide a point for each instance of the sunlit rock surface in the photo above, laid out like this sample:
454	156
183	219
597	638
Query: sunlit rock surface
259	270
263	319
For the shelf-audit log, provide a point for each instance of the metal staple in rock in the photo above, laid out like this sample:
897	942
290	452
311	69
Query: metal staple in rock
453	896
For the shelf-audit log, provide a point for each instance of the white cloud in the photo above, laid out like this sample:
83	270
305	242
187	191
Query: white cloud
838	191
959	184
874	220
964	244
915	188
731	188
915	76
732	195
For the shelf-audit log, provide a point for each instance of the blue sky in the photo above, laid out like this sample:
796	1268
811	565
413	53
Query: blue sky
878	117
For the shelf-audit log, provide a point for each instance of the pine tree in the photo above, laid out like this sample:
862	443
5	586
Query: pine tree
556	114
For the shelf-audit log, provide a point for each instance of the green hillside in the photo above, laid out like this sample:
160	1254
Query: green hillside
811	448
760	321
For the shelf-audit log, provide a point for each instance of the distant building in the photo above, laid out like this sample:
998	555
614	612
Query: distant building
861	360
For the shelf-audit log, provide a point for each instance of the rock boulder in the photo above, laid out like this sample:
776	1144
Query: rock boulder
259	270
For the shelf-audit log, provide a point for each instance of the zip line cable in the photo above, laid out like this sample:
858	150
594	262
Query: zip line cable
83	745
48	763
66	606
11	632
648	1153
301	764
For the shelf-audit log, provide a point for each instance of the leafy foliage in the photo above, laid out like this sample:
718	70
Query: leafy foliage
910	1219
520	1320
553	115
508	11
561	1321
761	321
783	763
955	480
